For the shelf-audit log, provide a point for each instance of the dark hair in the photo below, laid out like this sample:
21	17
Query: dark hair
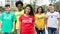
31	12
7	5
19	2
51	5
41	9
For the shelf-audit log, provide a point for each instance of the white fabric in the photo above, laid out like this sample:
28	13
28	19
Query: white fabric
52	19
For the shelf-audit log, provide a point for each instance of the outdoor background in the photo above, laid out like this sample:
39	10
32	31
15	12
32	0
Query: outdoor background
34	3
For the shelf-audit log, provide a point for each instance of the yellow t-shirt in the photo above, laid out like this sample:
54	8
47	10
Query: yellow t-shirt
40	20
18	14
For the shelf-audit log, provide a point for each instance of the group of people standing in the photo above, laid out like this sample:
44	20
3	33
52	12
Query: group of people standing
25	21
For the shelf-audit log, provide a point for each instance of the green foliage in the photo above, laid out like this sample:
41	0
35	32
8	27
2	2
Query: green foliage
57	6
1	8
45	7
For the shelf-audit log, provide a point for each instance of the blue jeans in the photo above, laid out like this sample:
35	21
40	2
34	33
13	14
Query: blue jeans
6	33
17	31
52	30
40	31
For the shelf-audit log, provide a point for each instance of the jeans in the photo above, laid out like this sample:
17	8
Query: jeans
17	31
52	30
40	31
6	33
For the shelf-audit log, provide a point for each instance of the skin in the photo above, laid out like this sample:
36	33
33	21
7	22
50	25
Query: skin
27	10
7	9
39	10
51	8
19	6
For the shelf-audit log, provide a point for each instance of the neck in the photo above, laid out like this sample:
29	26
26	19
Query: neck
39	13
19	9
7	11
27	15
51	10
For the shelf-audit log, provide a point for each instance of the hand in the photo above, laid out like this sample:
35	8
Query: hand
12	30
46	27
58	29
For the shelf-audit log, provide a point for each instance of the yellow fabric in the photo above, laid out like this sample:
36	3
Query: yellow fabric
40	20
18	14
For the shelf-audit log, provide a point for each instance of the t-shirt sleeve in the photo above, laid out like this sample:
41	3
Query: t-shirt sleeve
20	19
1	17
33	19
44	15
58	15
47	15
14	18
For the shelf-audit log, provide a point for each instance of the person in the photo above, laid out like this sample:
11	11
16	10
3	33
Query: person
27	21
40	20
51	20
18	13
8	19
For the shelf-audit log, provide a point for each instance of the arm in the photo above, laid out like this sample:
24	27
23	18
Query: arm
13	27
58	24
20	20
1	16
14	22
46	21
0	23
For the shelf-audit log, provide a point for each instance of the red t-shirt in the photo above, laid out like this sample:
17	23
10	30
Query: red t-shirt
27	23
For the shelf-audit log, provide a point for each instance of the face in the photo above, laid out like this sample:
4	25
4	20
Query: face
27	10
51	8
19	6
7	9
39	10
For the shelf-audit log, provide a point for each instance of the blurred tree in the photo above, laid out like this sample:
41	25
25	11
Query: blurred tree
1	9
57	6
45	7
24	5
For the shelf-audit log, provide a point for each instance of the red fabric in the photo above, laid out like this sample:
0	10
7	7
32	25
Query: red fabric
27	24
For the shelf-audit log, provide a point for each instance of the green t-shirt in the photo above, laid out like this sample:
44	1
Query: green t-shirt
7	19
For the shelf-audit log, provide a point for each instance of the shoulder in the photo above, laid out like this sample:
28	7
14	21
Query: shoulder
48	12
23	10
56	12
43	14
22	15
31	16
36	14
12	12
4	13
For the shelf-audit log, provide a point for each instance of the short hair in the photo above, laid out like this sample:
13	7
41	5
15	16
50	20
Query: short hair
19	2
51	5
7	5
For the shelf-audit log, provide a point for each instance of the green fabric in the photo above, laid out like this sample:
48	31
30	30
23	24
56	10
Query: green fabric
7	19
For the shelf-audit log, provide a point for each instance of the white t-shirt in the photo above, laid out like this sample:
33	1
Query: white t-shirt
52	19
